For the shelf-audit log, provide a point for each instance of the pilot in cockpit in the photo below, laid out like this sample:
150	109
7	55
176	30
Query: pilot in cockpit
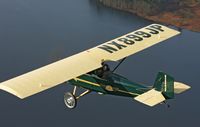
102	72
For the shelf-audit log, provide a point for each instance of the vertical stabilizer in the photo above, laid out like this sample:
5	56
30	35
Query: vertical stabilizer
165	84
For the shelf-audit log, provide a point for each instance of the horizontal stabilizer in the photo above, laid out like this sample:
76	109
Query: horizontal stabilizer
180	87
150	98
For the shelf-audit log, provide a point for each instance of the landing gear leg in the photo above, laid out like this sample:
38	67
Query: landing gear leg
70	99
83	94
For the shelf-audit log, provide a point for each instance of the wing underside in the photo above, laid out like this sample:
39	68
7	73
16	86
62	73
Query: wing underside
59	72
50	75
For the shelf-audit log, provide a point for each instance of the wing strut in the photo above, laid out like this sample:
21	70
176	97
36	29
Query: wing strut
119	64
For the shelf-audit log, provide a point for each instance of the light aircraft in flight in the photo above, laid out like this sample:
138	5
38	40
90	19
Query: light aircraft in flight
89	70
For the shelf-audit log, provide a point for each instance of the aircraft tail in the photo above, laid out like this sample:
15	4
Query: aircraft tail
166	84
164	88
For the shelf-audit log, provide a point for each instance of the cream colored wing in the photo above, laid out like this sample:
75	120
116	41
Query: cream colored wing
133	42
74	66
51	75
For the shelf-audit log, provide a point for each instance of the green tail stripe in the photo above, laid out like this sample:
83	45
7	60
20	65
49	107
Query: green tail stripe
165	83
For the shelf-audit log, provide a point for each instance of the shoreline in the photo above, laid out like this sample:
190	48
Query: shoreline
186	16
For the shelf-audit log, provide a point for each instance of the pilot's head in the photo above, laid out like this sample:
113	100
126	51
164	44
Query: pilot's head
105	67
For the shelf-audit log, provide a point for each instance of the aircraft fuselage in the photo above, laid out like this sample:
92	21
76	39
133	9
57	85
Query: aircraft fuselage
113	84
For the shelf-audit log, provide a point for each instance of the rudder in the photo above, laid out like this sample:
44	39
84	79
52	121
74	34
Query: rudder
165	84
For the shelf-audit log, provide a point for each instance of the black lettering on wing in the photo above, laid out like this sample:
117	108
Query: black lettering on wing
157	27
107	48
152	31
134	37
119	46
143	34
126	41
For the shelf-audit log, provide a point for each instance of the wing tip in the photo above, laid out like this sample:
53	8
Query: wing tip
176	32
11	91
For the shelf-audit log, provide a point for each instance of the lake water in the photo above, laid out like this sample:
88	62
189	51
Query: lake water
36	33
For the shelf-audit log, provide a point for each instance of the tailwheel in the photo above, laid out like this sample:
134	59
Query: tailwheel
167	105
70	99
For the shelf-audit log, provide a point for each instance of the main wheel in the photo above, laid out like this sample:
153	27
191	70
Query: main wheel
70	100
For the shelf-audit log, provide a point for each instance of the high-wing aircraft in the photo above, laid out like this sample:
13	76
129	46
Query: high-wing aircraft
90	71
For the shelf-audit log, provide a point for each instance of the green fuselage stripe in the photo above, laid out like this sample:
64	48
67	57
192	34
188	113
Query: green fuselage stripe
85	81
95	84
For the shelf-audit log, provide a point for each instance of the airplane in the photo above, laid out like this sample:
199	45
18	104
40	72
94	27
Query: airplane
89	70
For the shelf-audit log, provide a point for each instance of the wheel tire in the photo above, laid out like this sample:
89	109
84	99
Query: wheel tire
70	100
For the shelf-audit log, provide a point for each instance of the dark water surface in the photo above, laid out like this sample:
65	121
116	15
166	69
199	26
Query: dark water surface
34	33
